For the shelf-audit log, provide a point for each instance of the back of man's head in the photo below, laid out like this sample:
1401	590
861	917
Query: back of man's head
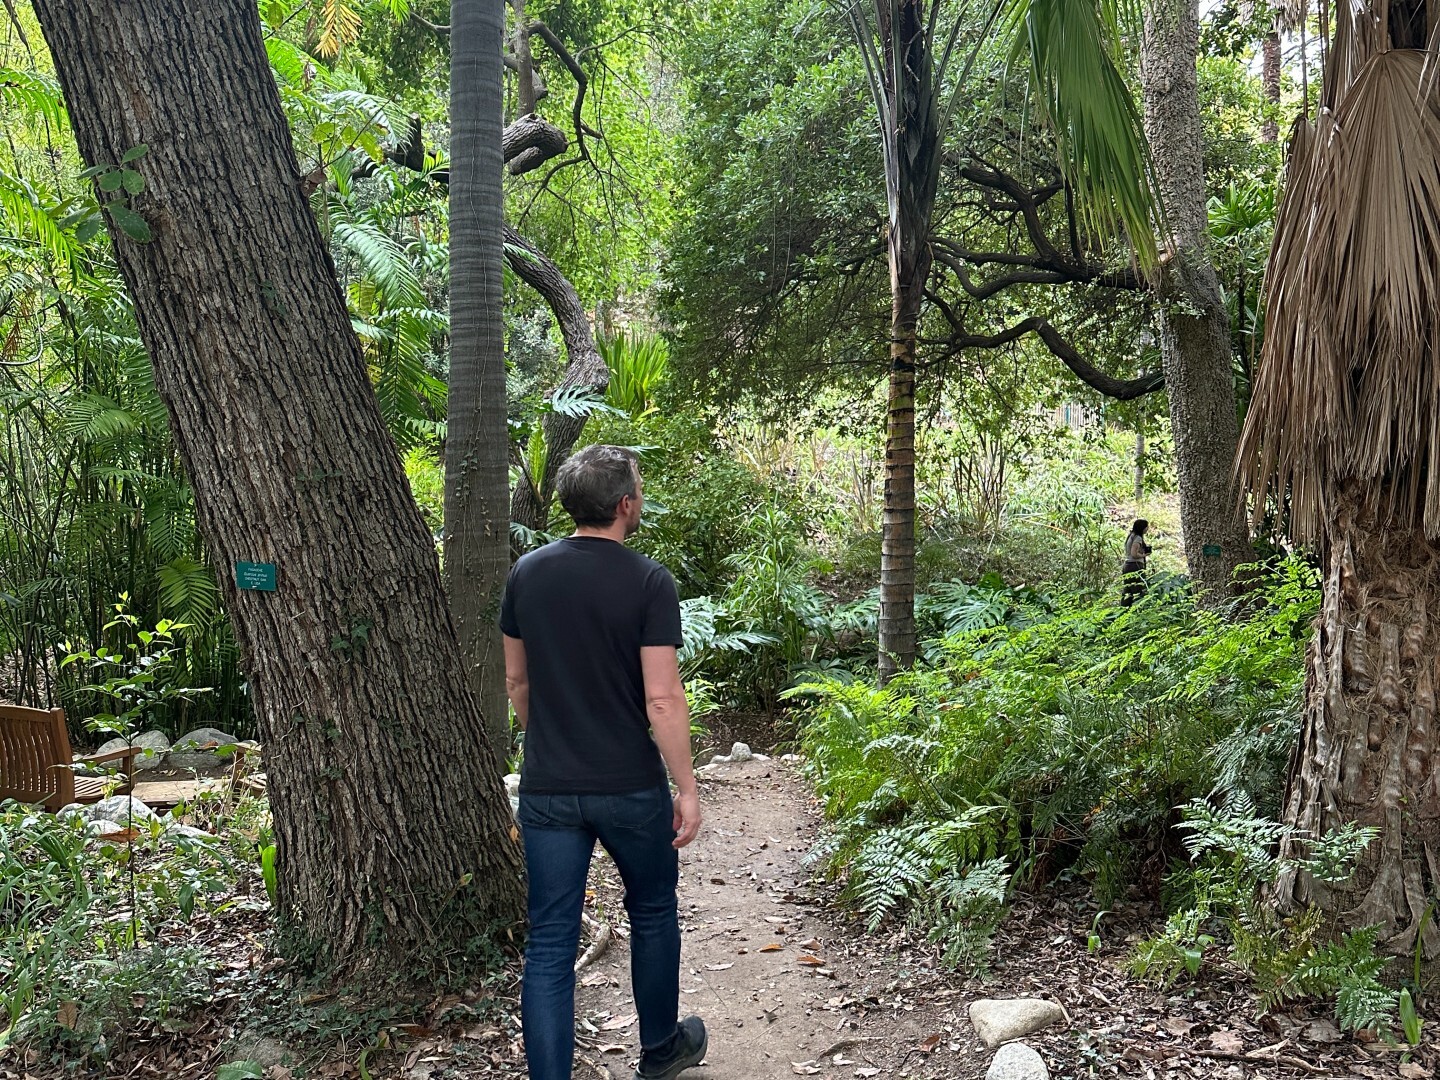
591	483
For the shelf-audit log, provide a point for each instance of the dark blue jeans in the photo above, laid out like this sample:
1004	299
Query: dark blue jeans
560	834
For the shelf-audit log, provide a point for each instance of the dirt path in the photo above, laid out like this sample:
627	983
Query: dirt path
762	963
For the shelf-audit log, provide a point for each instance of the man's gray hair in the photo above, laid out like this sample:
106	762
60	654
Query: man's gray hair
592	483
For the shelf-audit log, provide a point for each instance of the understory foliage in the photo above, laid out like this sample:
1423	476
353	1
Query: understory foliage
1220	906
1056	736
93	933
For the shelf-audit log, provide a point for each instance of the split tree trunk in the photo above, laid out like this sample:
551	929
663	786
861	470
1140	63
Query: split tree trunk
1367	751
395	842
477	445
1194	325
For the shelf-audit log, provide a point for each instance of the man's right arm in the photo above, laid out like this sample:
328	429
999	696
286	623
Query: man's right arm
669	716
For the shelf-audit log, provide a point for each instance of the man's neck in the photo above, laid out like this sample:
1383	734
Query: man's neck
615	531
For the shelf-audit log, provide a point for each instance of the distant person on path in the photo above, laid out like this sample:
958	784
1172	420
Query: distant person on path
1137	553
591	635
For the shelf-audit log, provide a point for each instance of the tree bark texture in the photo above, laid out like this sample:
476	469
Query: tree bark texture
585	369
1270	80
394	839
1194	325
477	445
1367	751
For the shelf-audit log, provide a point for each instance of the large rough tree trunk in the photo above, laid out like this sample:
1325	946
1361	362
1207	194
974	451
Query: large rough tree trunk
1194	325
477	445
394	839
1367	746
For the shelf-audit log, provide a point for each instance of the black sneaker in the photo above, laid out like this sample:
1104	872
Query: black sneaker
685	1050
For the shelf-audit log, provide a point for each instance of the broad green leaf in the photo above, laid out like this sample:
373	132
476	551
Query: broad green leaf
131	224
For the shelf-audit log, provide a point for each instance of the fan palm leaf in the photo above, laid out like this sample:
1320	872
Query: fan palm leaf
1348	388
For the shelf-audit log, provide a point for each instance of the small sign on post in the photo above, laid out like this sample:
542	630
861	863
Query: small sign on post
1212	551
259	576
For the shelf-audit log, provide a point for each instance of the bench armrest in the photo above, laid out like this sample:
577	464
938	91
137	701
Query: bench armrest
129	753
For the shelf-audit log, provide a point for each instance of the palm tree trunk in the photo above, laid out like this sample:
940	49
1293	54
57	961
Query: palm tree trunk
1194	325
1270	80
477	473
1367	751
910	267
394	839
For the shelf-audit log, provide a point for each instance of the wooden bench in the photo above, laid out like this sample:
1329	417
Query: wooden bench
38	766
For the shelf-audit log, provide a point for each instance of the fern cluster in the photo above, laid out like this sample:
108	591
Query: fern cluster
1219	902
1055	734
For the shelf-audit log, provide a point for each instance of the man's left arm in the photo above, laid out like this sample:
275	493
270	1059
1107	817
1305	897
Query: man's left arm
517	679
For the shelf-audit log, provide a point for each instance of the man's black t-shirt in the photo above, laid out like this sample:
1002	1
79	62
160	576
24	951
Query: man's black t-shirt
584	607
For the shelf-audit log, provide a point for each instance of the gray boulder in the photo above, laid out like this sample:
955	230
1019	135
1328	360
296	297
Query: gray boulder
196	749
999	1020
155	747
740	752
1016	1061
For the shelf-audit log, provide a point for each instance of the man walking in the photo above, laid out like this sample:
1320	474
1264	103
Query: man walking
591	630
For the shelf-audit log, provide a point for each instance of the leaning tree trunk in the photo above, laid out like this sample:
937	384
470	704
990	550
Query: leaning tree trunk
585	369
1367	750
477	444
394	840
1194	325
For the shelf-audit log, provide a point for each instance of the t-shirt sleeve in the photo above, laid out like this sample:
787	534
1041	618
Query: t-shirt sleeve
508	624
662	611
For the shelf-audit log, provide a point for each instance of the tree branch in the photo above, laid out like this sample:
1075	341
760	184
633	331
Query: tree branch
1062	350
584	369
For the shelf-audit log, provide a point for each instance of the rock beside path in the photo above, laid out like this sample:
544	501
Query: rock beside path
155	747
999	1020
196	749
1016	1061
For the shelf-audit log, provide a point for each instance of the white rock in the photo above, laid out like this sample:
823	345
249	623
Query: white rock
155	746
721	759
512	783
790	759
1016	1061
740	752
998	1020
119	810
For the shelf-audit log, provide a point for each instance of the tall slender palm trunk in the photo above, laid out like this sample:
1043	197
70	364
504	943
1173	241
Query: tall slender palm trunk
477	472
909	267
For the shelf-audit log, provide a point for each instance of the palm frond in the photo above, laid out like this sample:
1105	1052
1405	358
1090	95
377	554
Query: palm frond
1067	46
32	94
1348	387
384	261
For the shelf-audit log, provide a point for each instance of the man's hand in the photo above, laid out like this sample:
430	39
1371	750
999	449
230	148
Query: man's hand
687	818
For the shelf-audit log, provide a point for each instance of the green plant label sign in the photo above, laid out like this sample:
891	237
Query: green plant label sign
255	575
1212	550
